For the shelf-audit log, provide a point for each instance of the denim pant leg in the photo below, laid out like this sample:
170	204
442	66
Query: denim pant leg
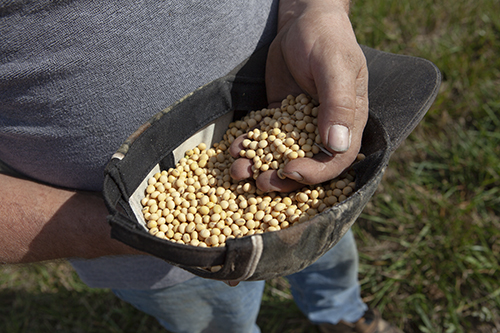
201	306
328	291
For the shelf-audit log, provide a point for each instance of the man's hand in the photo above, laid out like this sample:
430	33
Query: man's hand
316	52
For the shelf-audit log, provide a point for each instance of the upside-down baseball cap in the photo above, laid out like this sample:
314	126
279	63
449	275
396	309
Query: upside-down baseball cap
401	90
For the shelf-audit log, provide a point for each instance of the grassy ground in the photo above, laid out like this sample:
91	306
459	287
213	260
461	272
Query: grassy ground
430	238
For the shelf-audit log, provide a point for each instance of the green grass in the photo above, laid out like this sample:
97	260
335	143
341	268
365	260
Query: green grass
429	240
50	297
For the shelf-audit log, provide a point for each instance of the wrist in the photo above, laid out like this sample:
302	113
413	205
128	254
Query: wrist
290	10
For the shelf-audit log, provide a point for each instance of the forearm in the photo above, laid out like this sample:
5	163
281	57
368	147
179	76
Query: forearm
39	222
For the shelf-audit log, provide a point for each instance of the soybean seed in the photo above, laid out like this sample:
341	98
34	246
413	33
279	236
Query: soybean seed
199	204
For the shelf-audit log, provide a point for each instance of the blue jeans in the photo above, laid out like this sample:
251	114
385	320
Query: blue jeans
326	292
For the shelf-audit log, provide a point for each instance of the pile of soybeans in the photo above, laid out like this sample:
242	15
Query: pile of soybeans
198	203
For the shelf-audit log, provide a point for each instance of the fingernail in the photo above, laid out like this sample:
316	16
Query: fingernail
338	138
295	176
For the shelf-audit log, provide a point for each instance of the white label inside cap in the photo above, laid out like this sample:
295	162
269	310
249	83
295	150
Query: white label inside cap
210	134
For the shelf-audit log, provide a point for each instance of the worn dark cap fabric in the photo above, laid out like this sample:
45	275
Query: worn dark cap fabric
401	90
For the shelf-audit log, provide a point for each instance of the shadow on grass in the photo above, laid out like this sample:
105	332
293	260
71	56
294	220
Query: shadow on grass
50	297
100	311
70	311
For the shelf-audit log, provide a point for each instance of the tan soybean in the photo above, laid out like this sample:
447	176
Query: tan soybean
199	204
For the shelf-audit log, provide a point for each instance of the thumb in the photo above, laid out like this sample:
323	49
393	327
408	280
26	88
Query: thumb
337	108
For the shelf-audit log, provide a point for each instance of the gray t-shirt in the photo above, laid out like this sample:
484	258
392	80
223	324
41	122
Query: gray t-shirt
78	77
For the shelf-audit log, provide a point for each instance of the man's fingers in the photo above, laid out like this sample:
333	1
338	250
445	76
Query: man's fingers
237	146
270	182
241	169
267	181
322	167
319	169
